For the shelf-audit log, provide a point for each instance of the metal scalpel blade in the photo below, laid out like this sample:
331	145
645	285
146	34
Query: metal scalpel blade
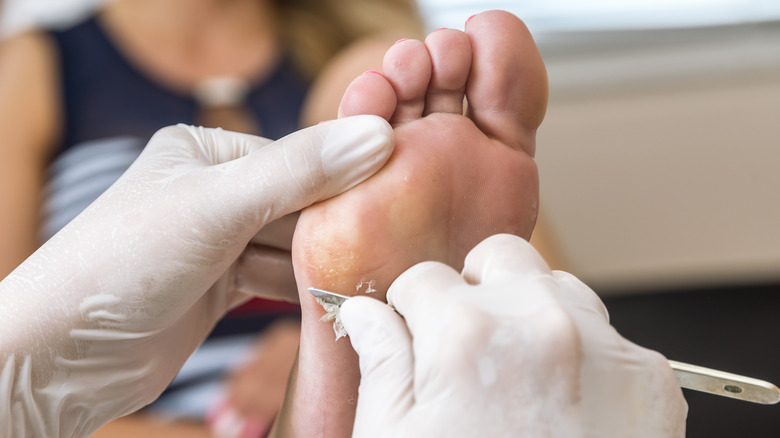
330	297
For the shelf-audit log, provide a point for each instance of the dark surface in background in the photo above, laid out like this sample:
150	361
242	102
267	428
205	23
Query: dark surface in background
734	329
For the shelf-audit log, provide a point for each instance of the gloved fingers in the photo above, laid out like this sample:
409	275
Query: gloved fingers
219	146
266	272
573	293
278	234
305	167
207	146
501	254
422	290
384	346
219	299
621	378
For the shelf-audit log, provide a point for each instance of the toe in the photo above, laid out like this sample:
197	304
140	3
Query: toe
450	52
507	87
407	66
369	93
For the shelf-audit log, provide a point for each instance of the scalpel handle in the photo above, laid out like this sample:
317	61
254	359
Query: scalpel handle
725	384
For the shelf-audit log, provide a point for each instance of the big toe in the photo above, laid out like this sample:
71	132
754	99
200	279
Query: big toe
507	86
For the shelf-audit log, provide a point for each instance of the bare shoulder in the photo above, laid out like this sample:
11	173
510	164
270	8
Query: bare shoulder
24	54
29	120
33	39
28	84
325	94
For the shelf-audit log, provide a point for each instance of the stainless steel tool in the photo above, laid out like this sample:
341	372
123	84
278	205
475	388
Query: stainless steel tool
328	297
689	376
725	384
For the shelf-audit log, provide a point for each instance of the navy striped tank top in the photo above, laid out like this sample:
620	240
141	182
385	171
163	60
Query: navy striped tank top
111	110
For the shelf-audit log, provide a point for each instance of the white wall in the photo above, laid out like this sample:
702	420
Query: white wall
660	156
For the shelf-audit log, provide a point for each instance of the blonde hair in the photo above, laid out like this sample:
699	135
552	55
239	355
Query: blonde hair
315	30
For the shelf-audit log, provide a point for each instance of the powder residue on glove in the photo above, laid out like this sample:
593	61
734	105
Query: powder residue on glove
332	310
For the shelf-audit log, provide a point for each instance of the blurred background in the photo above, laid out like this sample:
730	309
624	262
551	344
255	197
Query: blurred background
660	167
659	155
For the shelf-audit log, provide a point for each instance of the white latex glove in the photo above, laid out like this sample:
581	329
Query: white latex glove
98	321
508	348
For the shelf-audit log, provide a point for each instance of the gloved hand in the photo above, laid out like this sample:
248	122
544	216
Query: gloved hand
507	348
98	321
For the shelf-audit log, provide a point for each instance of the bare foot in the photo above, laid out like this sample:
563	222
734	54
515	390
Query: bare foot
452	181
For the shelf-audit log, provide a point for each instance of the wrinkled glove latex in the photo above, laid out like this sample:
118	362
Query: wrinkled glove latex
507	348
98	321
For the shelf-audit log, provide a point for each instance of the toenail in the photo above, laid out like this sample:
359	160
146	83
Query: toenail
372	72
441	28
401	40
467	20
